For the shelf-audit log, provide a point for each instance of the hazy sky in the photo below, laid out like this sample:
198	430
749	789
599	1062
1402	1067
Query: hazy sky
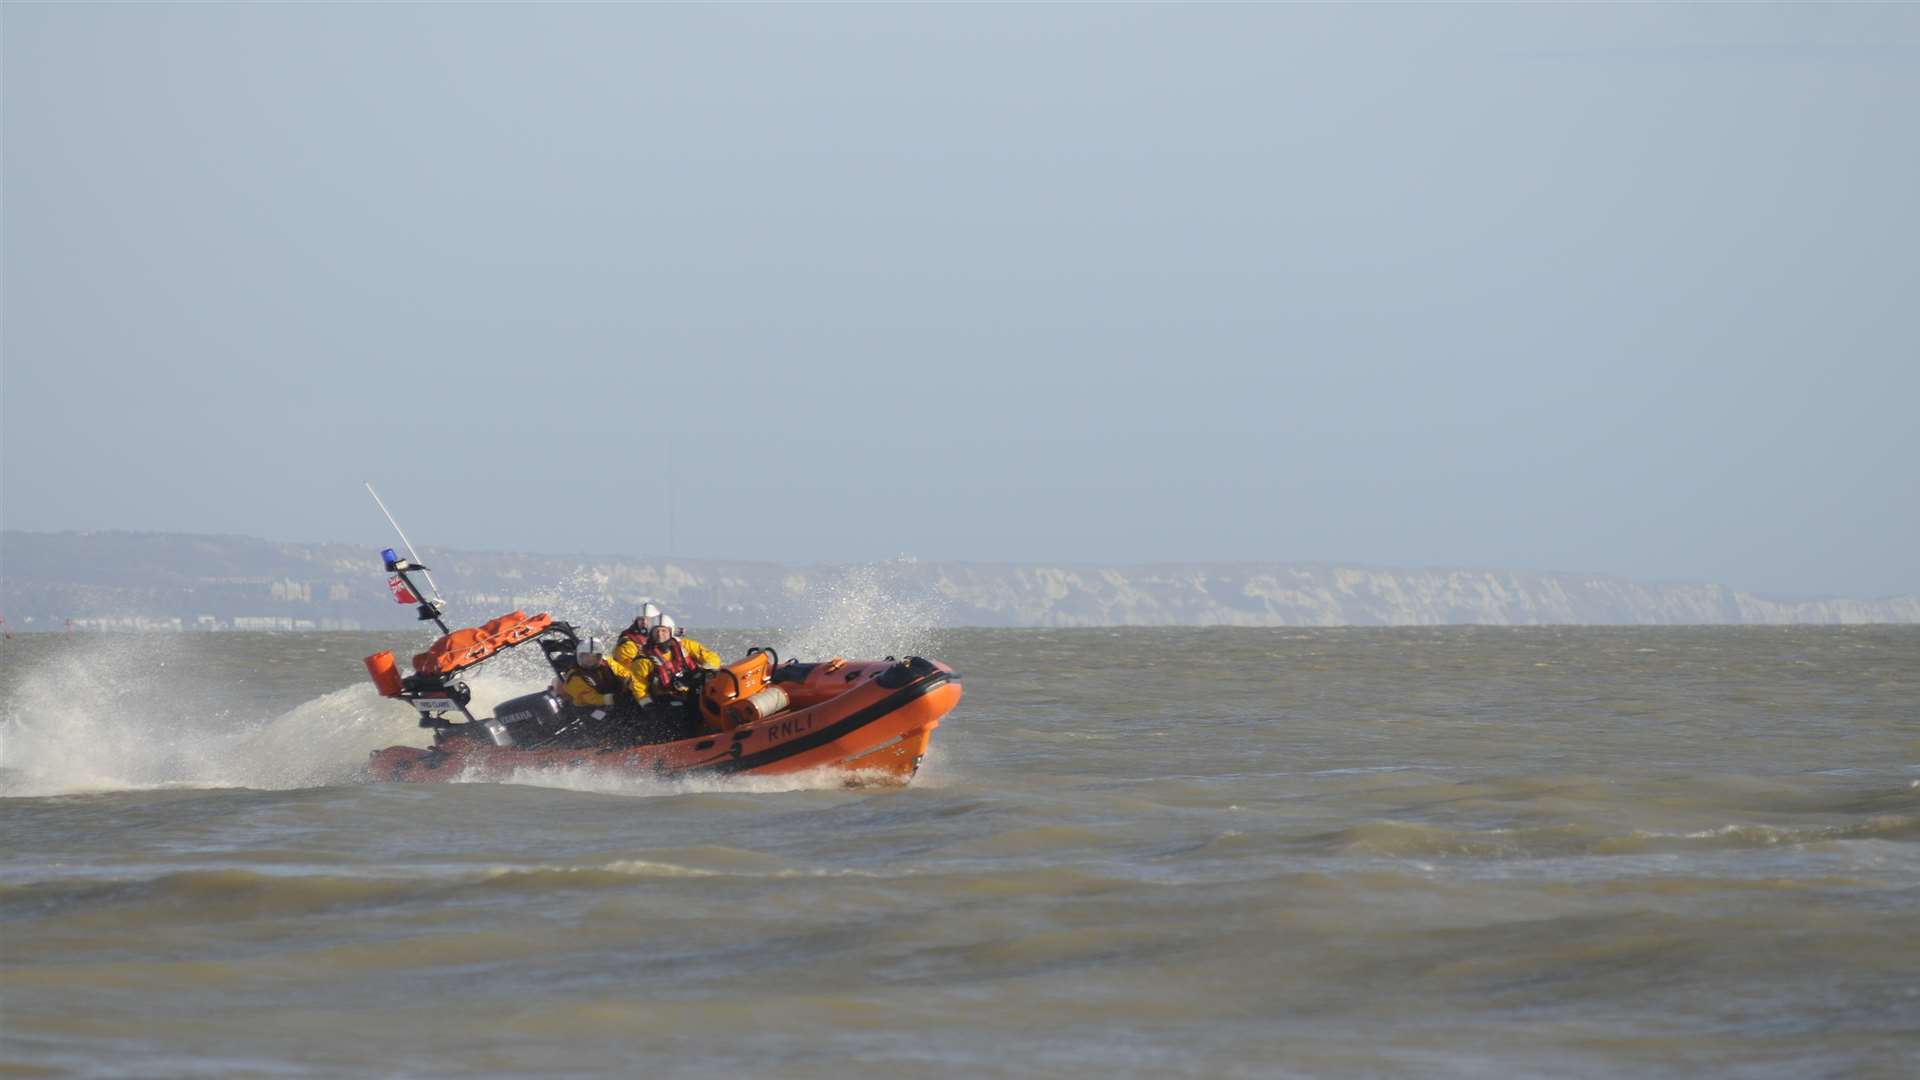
1624	289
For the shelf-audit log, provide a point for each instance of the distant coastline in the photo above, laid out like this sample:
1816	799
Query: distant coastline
180	582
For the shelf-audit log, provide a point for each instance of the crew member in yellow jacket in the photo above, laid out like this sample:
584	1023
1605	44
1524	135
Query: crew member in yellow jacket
651	666
596	681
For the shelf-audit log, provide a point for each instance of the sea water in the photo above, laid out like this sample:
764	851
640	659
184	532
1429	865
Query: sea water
1151	852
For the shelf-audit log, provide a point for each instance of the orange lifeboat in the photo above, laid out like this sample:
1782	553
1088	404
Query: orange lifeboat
869	719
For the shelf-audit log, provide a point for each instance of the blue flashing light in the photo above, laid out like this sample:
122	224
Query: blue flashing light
389	556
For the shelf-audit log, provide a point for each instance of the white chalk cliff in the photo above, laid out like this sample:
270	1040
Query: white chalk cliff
165	581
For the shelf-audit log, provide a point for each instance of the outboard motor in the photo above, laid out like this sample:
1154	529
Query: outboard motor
532	719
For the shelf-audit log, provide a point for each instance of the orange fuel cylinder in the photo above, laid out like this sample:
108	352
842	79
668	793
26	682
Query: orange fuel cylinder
386	676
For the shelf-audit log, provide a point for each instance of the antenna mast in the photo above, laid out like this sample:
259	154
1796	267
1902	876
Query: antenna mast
412	554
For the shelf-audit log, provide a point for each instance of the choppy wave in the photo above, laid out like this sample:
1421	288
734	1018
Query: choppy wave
220	894
1742	836
1417	840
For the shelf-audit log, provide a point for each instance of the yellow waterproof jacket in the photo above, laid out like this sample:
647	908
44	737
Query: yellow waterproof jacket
586	692
628	657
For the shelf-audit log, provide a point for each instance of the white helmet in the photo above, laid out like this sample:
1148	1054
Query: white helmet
643	623
587	653
665	622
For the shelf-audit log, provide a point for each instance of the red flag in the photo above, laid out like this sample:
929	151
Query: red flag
401	594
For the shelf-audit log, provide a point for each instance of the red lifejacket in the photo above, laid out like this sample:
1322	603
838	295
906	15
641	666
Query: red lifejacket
669	663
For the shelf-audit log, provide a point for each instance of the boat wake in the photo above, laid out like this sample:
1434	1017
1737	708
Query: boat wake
129	715
80	723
